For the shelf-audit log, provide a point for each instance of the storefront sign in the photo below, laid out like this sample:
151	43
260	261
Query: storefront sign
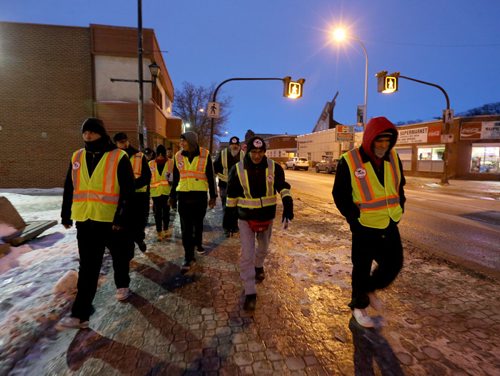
413	136
434	133
486	130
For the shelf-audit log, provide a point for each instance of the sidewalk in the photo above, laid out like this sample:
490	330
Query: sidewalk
440	320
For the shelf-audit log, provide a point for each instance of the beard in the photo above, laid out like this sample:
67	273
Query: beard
234	153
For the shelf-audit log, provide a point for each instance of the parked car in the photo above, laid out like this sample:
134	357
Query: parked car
297	163
328	165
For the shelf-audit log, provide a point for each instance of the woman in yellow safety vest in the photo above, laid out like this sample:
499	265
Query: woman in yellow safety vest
162	175
193	177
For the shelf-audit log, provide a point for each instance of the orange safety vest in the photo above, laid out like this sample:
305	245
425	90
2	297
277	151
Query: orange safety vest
378	203
136	161
193	175
160	184
95	197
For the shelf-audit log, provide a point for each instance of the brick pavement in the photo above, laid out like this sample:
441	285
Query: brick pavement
440	319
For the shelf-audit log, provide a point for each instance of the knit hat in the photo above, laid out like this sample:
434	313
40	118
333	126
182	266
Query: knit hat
120	136
234	141
256	143
191	138
160	149
94	125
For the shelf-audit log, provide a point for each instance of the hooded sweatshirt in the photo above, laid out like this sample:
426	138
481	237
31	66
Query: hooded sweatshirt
342	188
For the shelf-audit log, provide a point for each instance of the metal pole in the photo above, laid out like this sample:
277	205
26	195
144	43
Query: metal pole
214	96
446	126
141	129
365	112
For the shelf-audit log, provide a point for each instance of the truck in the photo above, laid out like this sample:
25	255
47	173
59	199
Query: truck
297	163
327	164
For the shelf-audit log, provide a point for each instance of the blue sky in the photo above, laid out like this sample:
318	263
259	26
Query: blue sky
453	43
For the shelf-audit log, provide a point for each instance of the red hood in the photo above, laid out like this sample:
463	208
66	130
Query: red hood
374	127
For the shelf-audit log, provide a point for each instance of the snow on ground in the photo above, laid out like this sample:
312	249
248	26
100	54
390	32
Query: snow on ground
29	273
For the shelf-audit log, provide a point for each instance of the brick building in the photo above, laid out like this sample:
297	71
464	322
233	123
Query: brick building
53	77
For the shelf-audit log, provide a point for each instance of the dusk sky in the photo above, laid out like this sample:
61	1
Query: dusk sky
453	43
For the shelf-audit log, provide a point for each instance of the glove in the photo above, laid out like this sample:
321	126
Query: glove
287	208
211	203
230	220
172	202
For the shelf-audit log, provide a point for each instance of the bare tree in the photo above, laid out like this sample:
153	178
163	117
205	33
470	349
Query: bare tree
190	105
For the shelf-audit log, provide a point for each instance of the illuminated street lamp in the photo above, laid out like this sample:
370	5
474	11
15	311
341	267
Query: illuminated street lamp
340	35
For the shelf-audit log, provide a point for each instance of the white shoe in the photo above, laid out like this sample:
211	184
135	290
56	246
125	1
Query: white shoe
122	293
362	318
71	323
375	302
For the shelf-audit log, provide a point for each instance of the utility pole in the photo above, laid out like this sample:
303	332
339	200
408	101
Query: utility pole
141	129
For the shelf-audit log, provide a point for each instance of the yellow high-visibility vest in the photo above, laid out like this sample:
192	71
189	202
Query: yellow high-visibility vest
95	197
225	170
255	203
160	184
378	203
136	161
193	175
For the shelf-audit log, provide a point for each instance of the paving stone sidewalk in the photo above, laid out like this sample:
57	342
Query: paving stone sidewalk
440	319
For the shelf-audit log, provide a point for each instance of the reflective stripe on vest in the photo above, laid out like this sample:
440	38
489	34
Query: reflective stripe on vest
248	201
225	170
95	197
136	161
378	203
159	183
193	175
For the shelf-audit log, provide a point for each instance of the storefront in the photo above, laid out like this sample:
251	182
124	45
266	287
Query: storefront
473	148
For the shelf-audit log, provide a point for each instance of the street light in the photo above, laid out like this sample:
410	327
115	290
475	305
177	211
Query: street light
154	69
340	34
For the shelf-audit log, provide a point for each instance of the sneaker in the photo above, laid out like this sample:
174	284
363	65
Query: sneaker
166	233
227	233
362	318
250	302
142	246
72	323
186	267
375	302
259	274
200	250
122	293
159	236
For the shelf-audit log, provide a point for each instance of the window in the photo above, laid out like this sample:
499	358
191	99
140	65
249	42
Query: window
485	159
430	158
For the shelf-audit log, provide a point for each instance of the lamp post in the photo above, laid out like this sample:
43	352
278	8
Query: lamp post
154	69
340	35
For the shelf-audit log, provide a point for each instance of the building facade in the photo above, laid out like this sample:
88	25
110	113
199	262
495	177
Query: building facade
53	77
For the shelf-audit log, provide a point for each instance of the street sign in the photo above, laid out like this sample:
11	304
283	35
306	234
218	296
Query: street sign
360	114
447	138
213	110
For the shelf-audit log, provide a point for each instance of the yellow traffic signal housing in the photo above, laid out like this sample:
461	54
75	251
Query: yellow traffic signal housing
387	83
293	89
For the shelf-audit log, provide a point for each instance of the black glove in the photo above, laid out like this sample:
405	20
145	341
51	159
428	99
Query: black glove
230	220
287	208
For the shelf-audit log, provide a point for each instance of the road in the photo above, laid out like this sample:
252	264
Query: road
459	228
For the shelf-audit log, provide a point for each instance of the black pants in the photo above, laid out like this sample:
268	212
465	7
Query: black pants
192	213
93	237
139	207
161	212
382	246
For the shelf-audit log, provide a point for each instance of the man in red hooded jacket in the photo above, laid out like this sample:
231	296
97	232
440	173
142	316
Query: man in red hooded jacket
368	192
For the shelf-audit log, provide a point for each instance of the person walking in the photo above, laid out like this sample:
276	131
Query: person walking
193	177
369	192
252	190
162	176
140	201
97	192
226	159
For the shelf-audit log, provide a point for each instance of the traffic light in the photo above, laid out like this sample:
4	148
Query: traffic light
292	89
387	83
